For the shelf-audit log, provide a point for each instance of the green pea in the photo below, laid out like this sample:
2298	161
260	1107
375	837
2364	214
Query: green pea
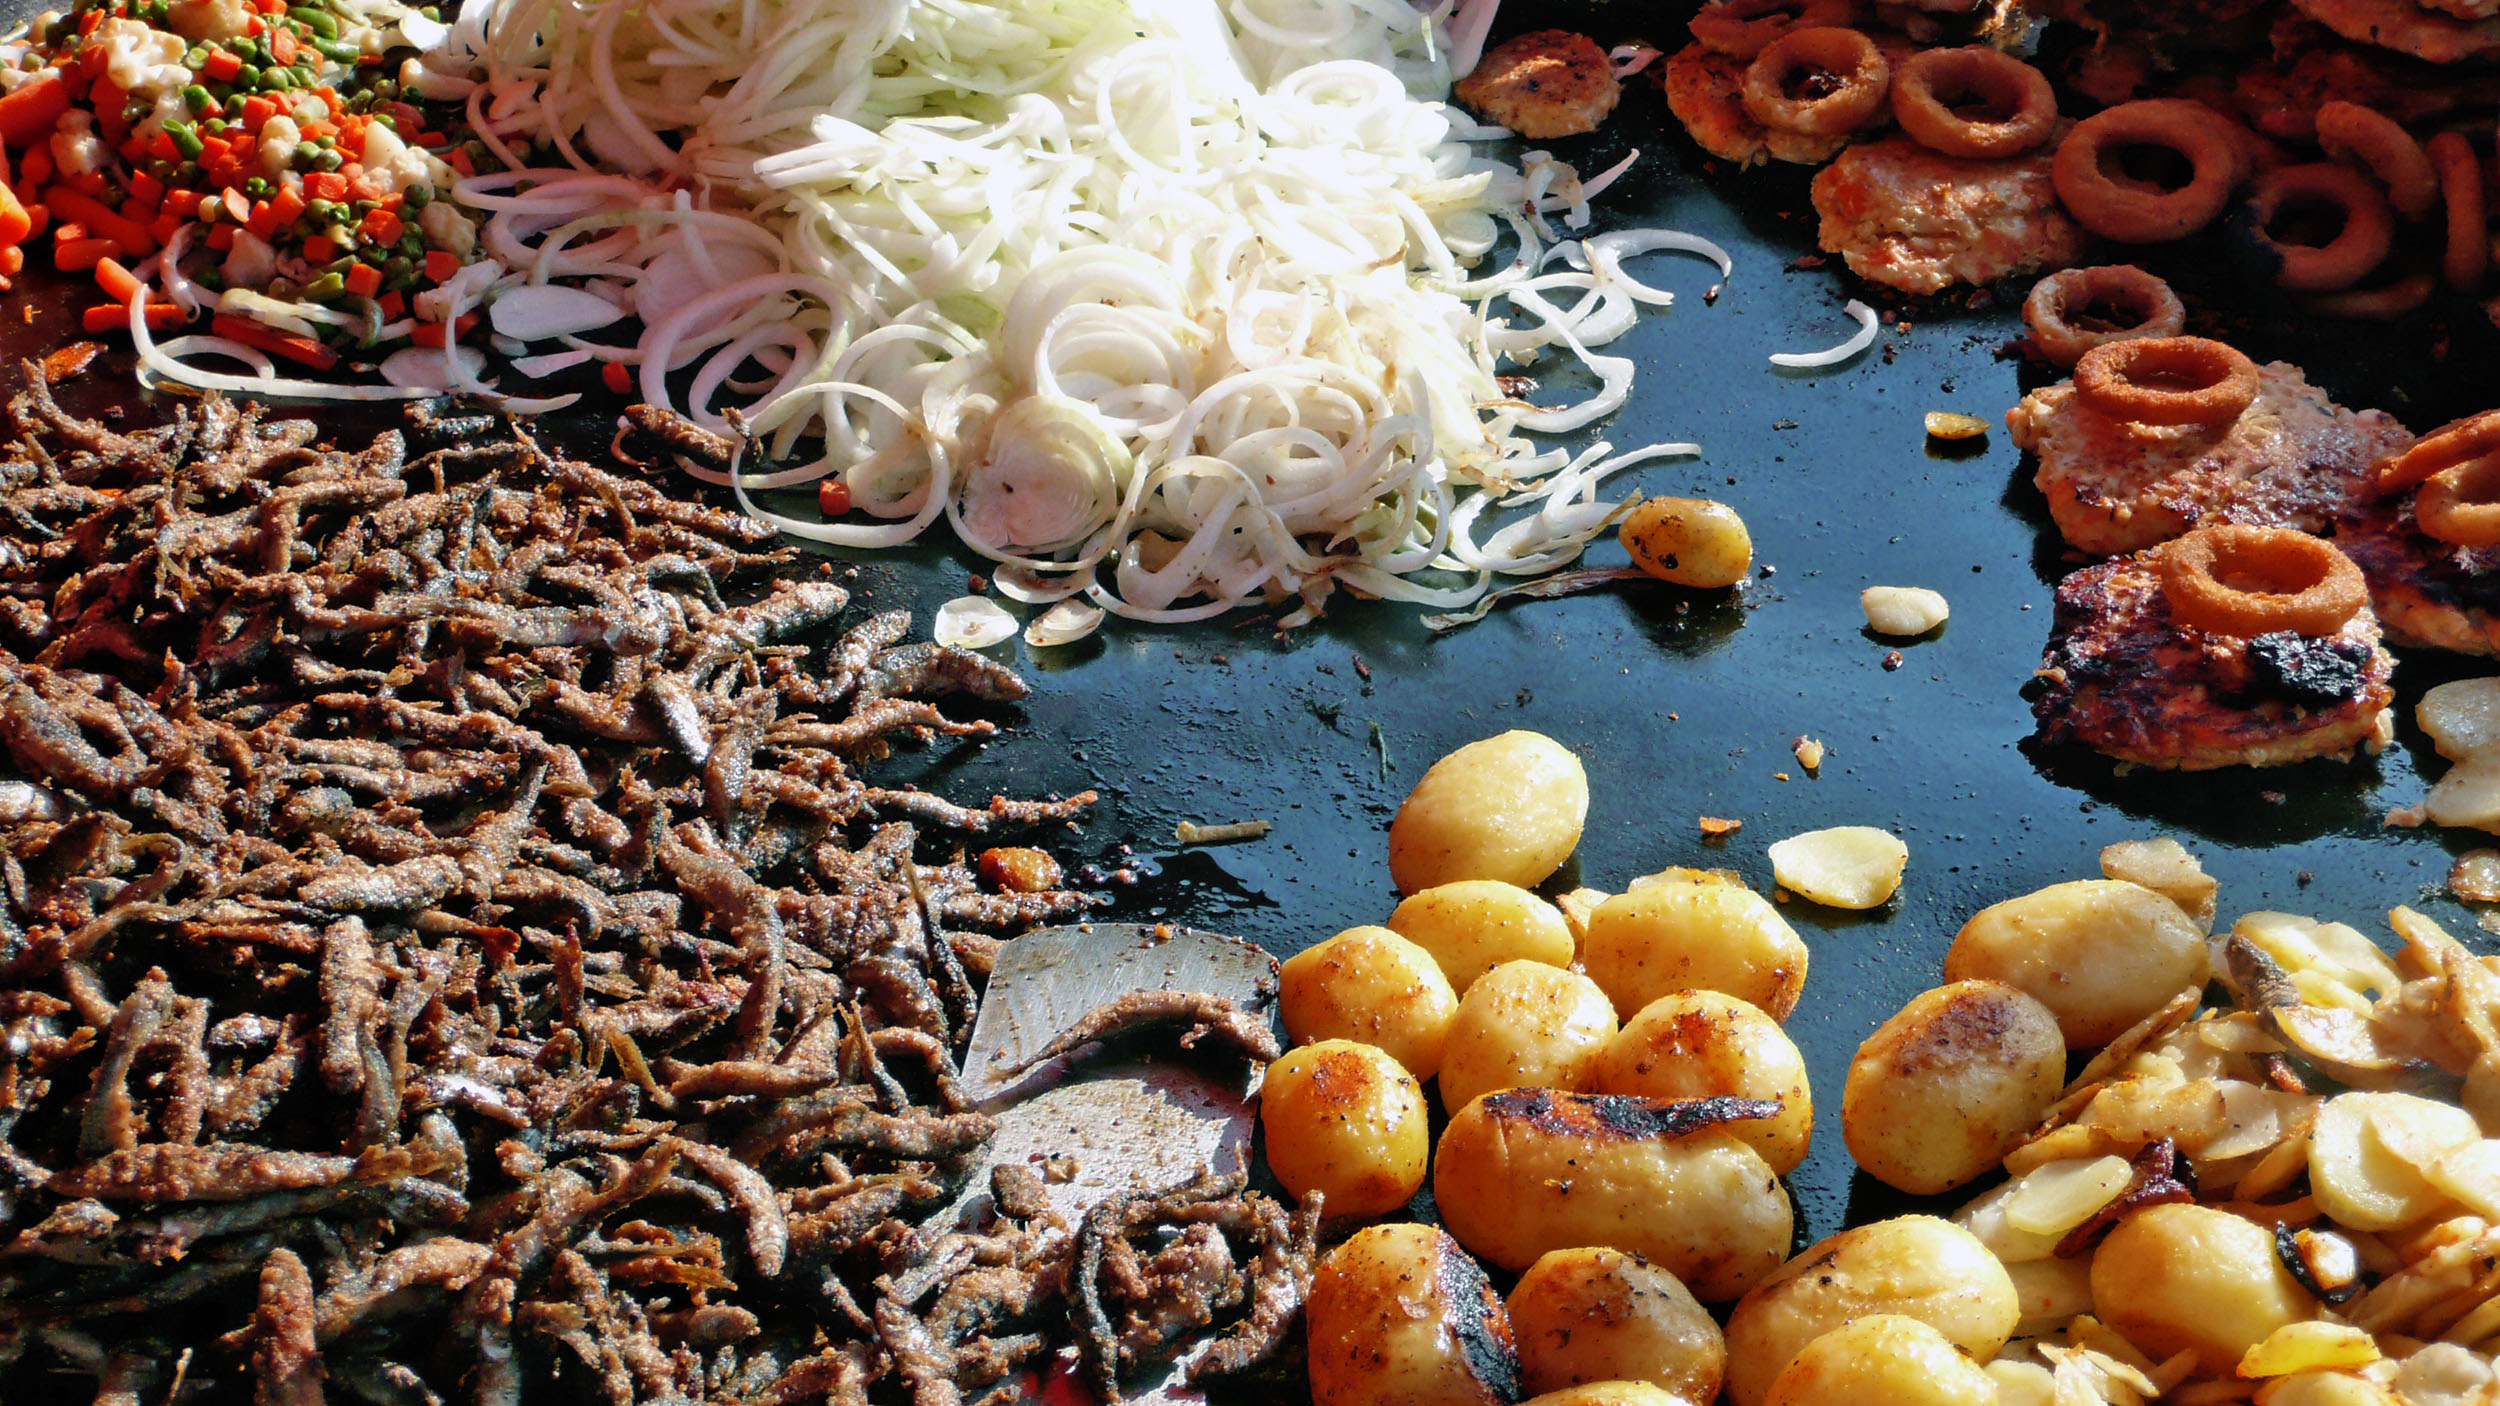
245	48
214	126
276	79
398	266
328	161
255	186
418	195
197	99
247	79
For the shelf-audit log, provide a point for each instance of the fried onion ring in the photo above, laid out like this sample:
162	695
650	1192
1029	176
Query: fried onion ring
2461	184
2249	581
2381	146
2364	233
2461	504
1932	87
2115	205
1740	28
2167	381
2057	301
1844	56
2385	302
2457	442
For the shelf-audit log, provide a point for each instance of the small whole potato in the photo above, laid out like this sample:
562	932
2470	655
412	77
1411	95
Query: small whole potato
1689	541
1524	1024
1917	1266
1888	1358
1524	1171
1372	986
1611	1394
1507	808
2187	1277
1344	1120
1708	1044
1475	925
1398	1315
2101	954
1943	1090
1674	936
1593	1314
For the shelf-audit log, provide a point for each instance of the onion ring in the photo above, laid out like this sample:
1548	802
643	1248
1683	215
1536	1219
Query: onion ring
2056	299
2461	504
2249	581
2461	185
2384	302
1865	77
2360	244
2381	145
1740	28
2116	206
1927	83
2457	442
2167	381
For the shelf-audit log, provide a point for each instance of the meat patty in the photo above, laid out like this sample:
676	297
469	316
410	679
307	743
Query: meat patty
1552	83
2407	28
2293	459
1921	221
1704	90
2121	676
2427	593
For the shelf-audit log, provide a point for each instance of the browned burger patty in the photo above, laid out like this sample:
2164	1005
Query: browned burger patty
1552	83
2293	459
2121	676
1704	91
2427	593
1920	221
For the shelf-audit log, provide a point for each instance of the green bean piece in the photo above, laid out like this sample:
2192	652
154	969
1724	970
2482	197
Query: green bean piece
326	287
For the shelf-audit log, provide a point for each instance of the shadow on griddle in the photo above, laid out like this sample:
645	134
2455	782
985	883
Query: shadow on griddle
2233	805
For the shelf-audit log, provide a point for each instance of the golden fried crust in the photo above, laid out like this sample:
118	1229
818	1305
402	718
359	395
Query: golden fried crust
1921	221
2428	593
2121	676
1552	83
1703	88
2293	459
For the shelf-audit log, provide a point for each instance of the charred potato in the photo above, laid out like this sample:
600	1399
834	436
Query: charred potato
1915	1266
1597	1315
1400	1316
1371	985
1344	1120
1888	1358
1678	936
1525	1024
2101	954
1708	1044
1697	542
1943	1090
2192	1277
1475	925
1508	808
1525	1171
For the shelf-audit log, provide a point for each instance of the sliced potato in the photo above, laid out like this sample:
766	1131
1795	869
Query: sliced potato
2462	717
2468	795
2312	1346
2362	1157
1847	866
1903	611
2165	866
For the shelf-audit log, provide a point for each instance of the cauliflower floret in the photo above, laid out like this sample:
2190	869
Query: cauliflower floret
394	165
278	139
251	263
446	228
196	20
76	149
140	59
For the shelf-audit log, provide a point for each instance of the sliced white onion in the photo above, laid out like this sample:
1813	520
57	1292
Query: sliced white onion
421	368
971	622
1064	623
548	365
1865	337
540	311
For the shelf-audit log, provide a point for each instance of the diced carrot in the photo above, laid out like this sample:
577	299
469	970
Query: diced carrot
12	259
94	57
282	44
116	281
364	280
185	203
113	317
441	264
105	99
430	334
105	222
27	115
256	112
616	376
221	236
361	188
81	254
320	249
161	146
287	204
302	350
147	188
34	169
382	227
459	161
325	185
315	128
264	221
15	223
393	304
166	226
330	99
221	65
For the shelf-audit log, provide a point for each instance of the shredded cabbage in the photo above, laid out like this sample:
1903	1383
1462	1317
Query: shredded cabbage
1155	302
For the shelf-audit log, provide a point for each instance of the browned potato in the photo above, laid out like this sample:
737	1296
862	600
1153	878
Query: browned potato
1525	1171
1475	925
1943	1090
2101	954
2183	1277
1919	1266
1525	1024
1373	986
1689	541
1400	1316
1600	1315
1708	1044
1344	1120
1507	808
1678	936
1610	1394
1888	1358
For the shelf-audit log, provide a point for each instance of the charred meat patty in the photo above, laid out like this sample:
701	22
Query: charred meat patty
2122	676
1920	221
2293	459
2427	592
